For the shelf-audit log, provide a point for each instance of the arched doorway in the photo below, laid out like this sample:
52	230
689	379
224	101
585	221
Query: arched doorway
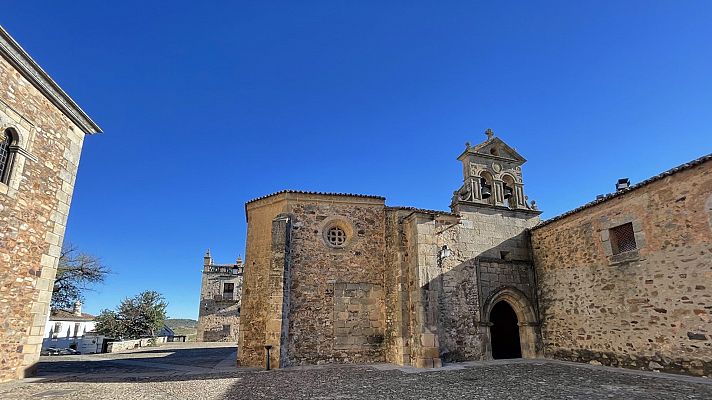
504	332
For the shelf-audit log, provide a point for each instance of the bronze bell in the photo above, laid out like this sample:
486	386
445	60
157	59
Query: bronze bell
507	191
486	188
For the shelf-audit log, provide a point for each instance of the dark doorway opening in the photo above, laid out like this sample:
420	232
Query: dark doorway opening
504	332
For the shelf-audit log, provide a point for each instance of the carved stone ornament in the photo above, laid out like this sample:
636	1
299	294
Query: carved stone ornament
496	167
465	193
474	169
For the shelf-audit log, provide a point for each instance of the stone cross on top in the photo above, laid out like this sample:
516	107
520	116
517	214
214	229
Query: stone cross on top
489	133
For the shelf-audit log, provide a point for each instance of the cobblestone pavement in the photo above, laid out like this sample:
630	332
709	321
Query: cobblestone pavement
208	372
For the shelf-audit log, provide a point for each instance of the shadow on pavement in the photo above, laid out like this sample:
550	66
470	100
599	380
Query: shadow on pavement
169	363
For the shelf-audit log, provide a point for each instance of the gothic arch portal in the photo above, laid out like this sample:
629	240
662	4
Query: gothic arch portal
526	320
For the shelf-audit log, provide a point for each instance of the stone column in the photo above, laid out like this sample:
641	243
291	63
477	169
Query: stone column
519	195
498	192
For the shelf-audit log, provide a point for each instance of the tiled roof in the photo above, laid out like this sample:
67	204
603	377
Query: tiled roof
423	210
317	193
64	315
609	196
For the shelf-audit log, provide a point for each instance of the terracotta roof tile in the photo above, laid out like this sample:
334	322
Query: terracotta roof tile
317	193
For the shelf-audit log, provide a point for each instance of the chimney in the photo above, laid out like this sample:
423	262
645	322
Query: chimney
77	308
622	184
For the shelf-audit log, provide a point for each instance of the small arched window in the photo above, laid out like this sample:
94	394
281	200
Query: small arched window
510	195
6	140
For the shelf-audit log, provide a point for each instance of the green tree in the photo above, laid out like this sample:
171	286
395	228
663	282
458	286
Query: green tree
76	271
140	316
109	324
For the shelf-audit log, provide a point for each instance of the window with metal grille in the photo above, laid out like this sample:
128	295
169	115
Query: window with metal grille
622	238
336	236
5	143
228	291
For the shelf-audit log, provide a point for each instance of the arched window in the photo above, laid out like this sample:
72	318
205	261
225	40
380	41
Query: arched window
510	195
486	188
6	140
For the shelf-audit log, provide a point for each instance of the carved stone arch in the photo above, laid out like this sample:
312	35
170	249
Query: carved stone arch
511	181
17	137
490	178
526	319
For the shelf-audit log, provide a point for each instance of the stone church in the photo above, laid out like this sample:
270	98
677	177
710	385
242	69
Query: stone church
625	280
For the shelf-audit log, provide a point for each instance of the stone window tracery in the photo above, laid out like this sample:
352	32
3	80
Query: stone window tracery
336	236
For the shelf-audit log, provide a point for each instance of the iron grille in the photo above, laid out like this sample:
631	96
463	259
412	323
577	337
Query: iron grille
5	142
622	238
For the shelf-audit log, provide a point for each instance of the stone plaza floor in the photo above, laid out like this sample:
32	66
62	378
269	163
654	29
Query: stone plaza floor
207	371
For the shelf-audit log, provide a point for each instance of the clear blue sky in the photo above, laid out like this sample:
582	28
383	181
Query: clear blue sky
205	106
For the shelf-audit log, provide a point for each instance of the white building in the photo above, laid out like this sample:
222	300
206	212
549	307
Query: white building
67	328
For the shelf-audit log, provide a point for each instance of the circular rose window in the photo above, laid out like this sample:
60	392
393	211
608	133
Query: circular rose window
336	236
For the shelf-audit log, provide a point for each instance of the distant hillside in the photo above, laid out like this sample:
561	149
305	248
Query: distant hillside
185	327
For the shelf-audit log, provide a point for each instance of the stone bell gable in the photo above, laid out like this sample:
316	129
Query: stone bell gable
492	172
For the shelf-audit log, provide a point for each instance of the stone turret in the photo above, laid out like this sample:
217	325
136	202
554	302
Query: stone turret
207	259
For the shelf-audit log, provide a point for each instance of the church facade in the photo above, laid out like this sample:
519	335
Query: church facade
343	278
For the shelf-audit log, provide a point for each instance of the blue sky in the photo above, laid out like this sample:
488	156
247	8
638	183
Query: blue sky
206	106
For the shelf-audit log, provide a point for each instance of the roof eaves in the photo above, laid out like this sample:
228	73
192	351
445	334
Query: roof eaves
638	185
315	193
27	66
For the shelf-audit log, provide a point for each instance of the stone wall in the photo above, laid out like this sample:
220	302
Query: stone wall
255	309
219	314
327	279
301	294
490	253
125	345
219	321
33	214
648	308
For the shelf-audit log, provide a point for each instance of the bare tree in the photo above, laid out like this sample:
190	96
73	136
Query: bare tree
76	271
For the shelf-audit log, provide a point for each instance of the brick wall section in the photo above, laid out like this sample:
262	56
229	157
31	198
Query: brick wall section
650	308
33	215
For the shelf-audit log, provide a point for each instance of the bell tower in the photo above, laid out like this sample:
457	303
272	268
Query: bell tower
492	173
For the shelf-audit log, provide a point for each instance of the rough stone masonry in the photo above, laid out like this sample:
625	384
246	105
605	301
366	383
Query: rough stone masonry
220	291
343	278
41	136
